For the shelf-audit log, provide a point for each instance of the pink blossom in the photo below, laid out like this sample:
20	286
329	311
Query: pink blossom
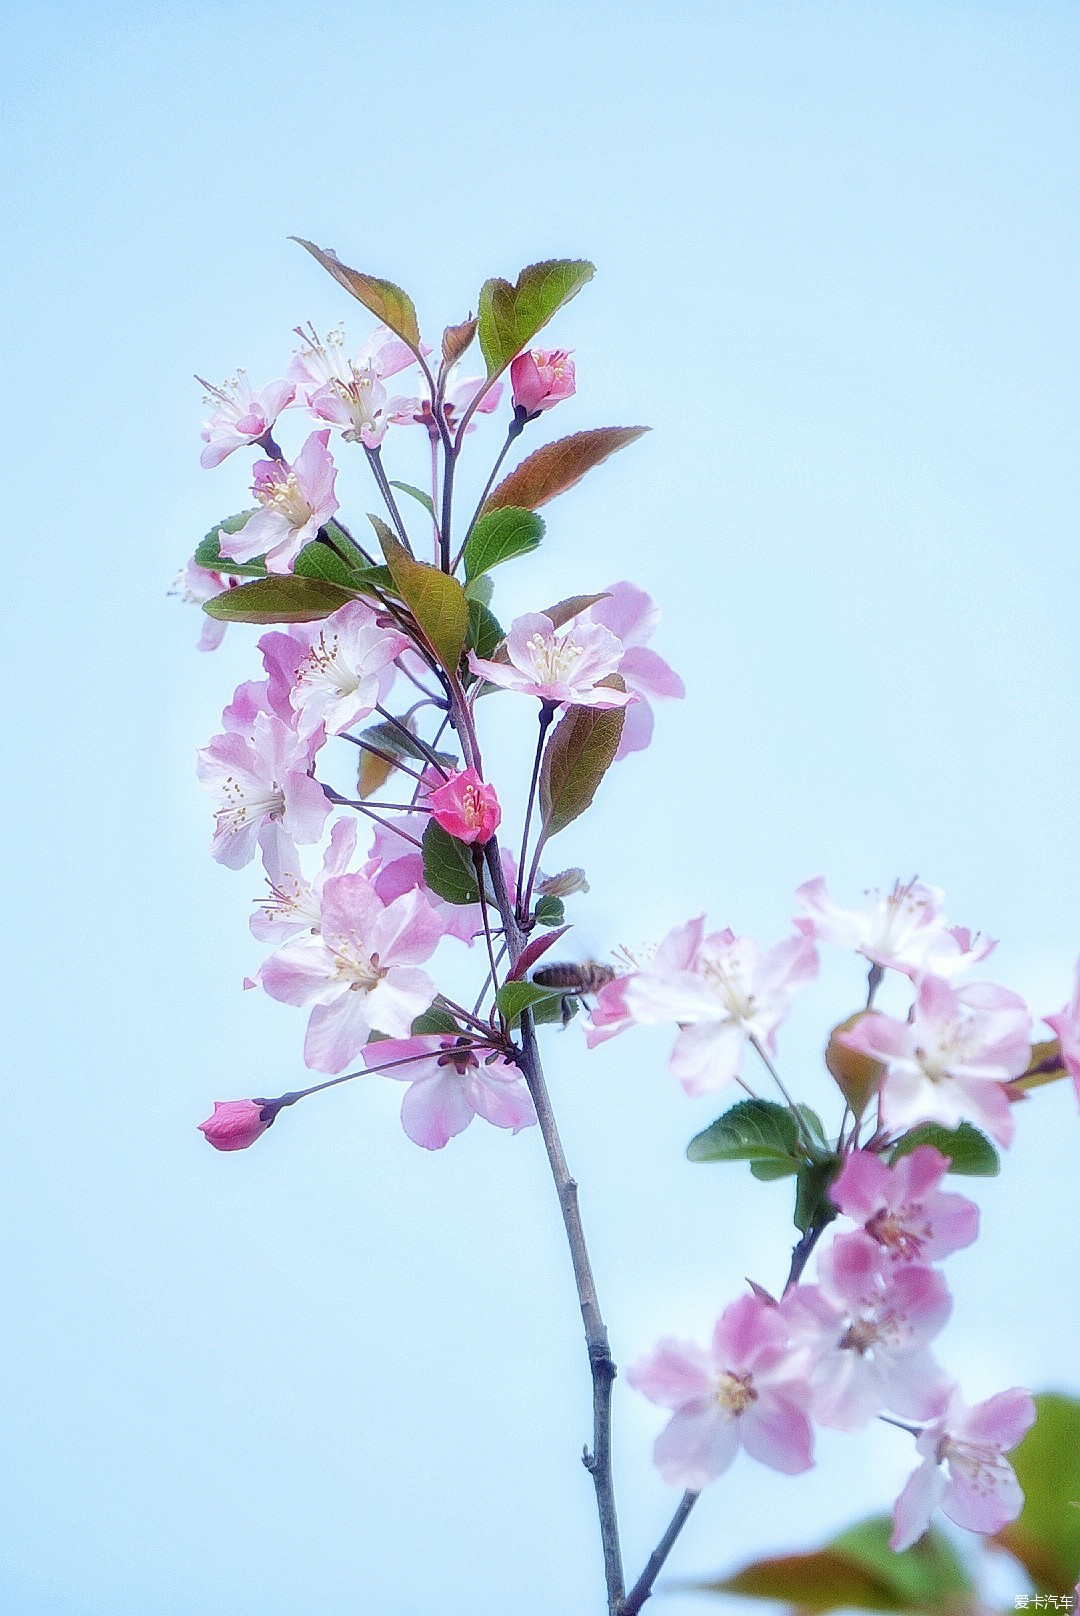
632	615
395	867
257	780
1067	1027
905	930
294	903
296	500
726	993
358	972
235	1124
195	585
981	1491
864	1330
449	1084
466	808
609	1014
344	668
240	416
950	1062
557	667
321	362
901	1207
744	1389
541	378
457	399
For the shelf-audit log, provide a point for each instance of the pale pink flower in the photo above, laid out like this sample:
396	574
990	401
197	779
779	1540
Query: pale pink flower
196	585
457	398
727	993
902	1208
609	1014
745	1390
256	780
350	392
981	1491
632	616
466	808
449	1084
540	378
358	972
240	416
345	671
950	1062
864	1330
905	929
295	502
395	867
1067	1027
294	904
235	1124
557	666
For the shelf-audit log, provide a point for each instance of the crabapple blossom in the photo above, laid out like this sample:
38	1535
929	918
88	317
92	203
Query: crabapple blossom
864	1329
321	363
541	378
746	1389
981	1491
561	668
632	616
241	416
901	1207
259	779
905	930
451	1082
459	397
727	993
345	671
295	502
950	1062
196	585
294	904
359	972
1067	1026
466	808
235	1124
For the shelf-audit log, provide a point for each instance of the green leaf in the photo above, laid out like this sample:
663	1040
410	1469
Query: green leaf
970	1153
282	598
436	600
481	589
550	1010
389	738
209	554
930	1576
499	536
580	752
812	1204
772	1167
510	316
514	997
752	1131
434	1020
448	866
386	301
319	560
485	630
1046	1537
556	467
373	581
549	912
417	494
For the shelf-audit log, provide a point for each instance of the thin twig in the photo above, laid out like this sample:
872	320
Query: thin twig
643	1587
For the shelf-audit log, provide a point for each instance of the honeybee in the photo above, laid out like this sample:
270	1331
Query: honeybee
575	976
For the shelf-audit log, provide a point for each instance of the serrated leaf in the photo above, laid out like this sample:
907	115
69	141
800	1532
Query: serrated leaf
434	1020
752	1130
457	340
319	560
417	494
499	536
970	1153
557	466
549	911
485	630
282	598
208	553
373	581
510	316
436	600
580	752
514	997
448	866
481	589
1046	1536
386	301
812	1204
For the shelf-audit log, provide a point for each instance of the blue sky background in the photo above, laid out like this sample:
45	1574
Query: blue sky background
837	252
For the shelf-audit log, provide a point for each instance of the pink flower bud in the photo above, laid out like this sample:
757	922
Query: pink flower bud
466	808
540	379
235	1124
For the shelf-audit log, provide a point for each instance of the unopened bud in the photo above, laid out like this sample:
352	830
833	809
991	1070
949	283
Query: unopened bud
857	1075
236	1124
562	885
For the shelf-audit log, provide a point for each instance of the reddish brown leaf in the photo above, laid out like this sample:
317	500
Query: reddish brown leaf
558	466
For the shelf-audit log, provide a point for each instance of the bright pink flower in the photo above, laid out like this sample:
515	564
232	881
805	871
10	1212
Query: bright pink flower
864	1330
1067	1027
557	666
258	780
745	1389
240	416
981	1491
235	1124
540	378
294	904
632	615
725	993
905	930
358	972
450	1084
466	808
902	1208
195	584
296	500
950	1062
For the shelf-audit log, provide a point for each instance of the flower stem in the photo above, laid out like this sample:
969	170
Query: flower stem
643	1587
